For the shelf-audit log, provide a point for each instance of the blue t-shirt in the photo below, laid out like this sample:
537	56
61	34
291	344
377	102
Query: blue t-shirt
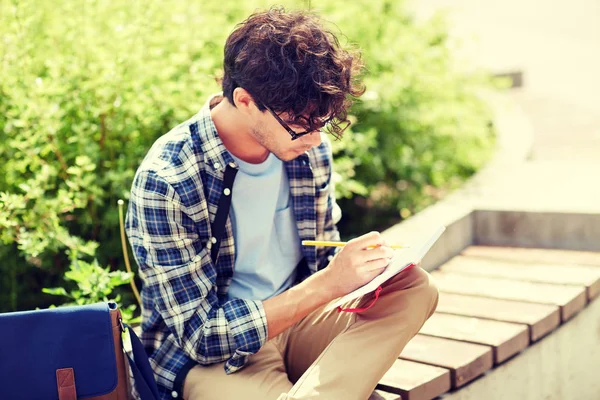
267	245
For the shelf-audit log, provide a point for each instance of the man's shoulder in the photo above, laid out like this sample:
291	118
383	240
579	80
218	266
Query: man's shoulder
174	157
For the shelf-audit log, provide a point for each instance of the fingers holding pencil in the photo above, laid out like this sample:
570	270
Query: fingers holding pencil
359	261
377	258
372	254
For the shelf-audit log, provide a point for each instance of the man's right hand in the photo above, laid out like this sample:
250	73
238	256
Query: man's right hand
359	262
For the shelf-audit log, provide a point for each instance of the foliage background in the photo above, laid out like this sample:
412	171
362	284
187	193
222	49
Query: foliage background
86	86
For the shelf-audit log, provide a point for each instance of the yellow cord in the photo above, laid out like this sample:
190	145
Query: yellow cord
125	255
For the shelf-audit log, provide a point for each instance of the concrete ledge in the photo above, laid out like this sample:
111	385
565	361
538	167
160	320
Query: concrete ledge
568	231
544	230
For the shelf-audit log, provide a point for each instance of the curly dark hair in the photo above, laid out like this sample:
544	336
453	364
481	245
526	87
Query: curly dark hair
289	62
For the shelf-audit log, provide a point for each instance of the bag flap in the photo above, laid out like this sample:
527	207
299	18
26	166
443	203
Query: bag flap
34	344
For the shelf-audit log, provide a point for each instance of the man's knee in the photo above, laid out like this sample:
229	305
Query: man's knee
428	291
433	294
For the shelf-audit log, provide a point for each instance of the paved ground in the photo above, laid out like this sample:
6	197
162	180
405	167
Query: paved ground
557	48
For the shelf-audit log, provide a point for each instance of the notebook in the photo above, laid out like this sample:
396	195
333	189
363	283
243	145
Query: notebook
403	258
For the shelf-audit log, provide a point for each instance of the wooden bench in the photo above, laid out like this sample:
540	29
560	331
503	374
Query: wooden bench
494	303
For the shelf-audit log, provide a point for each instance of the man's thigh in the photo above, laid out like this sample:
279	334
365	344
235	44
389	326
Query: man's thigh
309	338
263	378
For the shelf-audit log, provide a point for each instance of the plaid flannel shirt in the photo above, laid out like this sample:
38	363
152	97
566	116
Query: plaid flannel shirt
186	316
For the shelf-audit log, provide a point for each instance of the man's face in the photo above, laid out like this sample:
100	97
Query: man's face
273	134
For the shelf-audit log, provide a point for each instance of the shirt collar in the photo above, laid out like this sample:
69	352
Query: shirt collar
216	156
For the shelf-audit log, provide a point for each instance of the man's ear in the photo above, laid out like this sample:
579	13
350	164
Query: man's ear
244	102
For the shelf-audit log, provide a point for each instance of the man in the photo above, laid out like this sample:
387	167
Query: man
233	304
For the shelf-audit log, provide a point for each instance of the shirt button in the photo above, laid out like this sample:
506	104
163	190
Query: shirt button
303	162
216	165
213	240
232	165
174	394
226	192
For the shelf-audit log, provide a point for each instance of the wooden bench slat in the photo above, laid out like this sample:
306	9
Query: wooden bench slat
570	299
466	361
533	272
506	339
541	318
415	381
522	254
382	395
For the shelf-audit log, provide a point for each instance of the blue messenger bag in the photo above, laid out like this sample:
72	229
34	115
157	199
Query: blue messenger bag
70	353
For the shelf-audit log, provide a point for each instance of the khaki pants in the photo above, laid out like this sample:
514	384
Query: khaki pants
327	355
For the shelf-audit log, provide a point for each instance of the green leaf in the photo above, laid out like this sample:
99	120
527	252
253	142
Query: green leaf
58	291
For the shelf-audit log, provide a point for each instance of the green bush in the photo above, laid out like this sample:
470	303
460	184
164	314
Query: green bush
87	86
94	284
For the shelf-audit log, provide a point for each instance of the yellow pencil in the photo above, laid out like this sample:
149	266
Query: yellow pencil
339	244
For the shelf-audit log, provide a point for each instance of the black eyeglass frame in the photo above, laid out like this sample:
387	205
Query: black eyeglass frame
295	135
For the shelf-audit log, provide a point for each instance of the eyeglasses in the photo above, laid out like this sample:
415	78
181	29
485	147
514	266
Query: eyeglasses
295	135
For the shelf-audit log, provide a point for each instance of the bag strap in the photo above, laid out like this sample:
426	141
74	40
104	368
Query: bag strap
140	366
142	371
218	225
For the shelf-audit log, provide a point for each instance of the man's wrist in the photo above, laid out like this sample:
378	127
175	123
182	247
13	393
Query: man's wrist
318	288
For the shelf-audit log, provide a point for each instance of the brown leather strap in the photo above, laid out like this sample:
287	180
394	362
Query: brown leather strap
65	379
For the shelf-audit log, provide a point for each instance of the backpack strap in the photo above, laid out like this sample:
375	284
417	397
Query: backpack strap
218	225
